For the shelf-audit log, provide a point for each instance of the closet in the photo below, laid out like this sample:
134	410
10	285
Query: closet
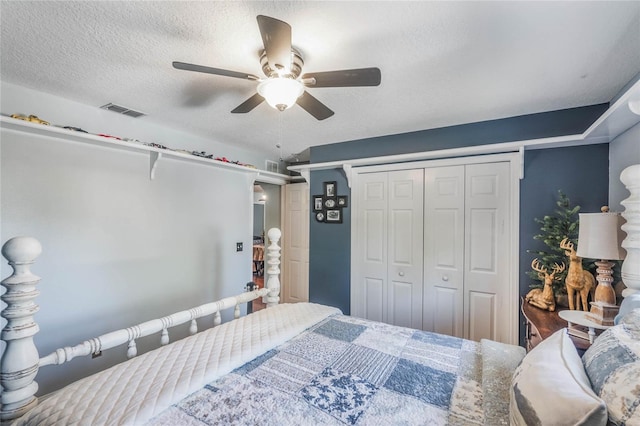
432	247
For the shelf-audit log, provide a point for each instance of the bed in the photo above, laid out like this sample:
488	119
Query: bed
310	364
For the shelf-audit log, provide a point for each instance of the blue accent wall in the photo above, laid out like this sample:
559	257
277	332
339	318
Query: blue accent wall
533	126
330	249
581	172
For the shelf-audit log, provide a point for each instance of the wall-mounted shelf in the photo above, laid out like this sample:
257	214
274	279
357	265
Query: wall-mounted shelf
155	154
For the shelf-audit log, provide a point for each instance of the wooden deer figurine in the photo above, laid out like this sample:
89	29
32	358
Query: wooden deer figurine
544	298
579	282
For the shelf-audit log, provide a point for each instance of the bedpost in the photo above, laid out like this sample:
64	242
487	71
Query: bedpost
273	255
19	363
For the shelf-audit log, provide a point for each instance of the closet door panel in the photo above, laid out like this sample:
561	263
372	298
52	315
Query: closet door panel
481	325
444	250
486	313
370	289
405	251
447	315
374	299
483	240
401	311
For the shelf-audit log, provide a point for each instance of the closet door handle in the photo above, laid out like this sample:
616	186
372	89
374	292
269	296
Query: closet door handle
445	278
401	273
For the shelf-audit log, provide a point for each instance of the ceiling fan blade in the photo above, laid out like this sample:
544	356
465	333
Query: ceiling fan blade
249	104
276	37
216	71
344	78
314	106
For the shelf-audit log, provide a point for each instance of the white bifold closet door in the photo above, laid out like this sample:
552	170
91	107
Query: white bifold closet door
487	247
432	249
466	245
390	249
444	250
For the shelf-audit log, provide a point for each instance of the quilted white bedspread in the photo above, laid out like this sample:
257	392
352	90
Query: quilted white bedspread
135	391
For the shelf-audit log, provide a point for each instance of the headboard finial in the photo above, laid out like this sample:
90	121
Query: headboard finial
20	360
20	250
273	270
274	234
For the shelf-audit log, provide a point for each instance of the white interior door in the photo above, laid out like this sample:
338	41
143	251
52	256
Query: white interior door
444	250
487	252
405	251
295	243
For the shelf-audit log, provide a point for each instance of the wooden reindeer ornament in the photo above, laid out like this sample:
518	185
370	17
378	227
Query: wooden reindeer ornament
544	298
579	282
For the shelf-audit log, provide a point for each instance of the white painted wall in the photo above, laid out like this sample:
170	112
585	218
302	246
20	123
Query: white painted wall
623	152
118	248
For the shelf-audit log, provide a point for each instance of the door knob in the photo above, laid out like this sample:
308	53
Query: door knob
401	273
445	278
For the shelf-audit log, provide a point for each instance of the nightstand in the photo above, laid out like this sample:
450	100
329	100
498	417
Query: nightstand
581	326
541	324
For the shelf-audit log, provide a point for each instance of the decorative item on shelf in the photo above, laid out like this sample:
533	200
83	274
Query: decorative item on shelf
75	129
579	281
544	298
600	238
328	206
31	118
104	135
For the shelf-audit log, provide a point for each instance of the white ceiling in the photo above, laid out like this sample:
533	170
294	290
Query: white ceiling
442	63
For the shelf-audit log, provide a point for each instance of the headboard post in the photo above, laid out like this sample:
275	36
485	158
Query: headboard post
273	256
19	363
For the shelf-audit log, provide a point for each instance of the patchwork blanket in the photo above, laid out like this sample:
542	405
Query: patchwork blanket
345	370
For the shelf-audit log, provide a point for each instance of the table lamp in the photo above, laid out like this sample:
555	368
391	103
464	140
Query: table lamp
600	238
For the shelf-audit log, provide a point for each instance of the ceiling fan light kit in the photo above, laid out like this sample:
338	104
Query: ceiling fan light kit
281	93
282	65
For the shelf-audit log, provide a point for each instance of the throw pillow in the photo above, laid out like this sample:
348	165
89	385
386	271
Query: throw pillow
613	366
550	387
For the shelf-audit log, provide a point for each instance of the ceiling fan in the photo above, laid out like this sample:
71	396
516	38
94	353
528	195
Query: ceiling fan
282	65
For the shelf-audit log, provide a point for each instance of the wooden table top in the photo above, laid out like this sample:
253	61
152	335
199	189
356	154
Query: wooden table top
548	323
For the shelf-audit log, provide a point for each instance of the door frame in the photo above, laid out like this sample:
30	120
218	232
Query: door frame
514	211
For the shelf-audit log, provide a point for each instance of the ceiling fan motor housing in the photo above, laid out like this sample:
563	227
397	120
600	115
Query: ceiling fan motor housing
295	68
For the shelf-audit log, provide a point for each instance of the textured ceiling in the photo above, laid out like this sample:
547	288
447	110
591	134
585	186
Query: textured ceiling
442	63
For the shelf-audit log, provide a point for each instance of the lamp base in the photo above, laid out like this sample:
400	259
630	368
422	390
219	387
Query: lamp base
602	314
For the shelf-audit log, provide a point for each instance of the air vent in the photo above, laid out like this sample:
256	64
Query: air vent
271	166
123	110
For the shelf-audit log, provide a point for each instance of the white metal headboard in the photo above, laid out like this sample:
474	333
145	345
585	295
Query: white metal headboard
20	361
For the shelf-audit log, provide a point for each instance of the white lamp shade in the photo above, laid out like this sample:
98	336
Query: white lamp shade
600	236
281	93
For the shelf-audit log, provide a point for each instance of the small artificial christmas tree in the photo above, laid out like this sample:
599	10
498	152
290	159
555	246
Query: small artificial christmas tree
553	229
